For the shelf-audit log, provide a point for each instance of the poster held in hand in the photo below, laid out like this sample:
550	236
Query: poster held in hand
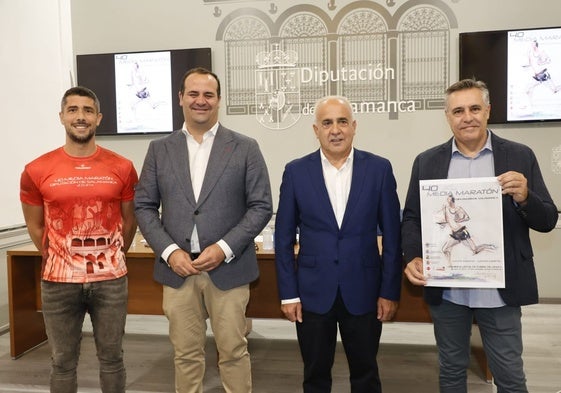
462	233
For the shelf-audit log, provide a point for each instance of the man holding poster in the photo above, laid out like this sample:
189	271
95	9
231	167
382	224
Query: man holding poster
476	152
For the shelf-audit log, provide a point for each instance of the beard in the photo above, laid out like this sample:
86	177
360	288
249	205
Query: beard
81	139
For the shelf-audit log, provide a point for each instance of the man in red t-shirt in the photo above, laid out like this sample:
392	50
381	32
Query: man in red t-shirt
78	206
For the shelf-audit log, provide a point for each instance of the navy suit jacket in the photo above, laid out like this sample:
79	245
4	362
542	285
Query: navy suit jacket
540	214
332	258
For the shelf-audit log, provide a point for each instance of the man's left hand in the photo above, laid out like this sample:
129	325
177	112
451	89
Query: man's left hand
515	185
210	258
386	309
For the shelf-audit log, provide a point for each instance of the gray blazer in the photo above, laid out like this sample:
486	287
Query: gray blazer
234	203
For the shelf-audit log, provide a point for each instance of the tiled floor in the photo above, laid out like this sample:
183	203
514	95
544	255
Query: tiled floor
408	360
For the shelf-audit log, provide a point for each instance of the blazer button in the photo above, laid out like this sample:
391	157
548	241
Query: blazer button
196	212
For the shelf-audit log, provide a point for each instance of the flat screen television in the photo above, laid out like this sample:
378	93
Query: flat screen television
521	67
138	91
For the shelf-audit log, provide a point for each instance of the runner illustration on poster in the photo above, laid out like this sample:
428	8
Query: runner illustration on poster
454	217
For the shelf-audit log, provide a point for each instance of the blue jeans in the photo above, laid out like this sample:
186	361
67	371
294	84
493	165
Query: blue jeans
64	308
501	333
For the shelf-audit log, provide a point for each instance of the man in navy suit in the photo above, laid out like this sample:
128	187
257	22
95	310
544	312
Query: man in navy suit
474	151
337	198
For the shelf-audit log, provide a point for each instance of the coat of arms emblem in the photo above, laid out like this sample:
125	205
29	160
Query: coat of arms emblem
277	89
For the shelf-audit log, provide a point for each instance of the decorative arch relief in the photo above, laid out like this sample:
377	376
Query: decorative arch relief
342	45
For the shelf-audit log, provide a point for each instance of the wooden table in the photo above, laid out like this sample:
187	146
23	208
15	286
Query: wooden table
27	328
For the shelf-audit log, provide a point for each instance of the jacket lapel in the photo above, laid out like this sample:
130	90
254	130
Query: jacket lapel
500	157
357	182
179	157
318	183
222	150
439	168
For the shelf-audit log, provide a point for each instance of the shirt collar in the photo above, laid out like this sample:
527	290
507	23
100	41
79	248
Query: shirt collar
487	146
348	161
211	132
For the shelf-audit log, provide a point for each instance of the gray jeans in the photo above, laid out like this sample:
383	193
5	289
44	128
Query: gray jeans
64	308
501	333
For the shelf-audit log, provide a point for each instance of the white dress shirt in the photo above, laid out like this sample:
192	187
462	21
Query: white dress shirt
199	154
338	184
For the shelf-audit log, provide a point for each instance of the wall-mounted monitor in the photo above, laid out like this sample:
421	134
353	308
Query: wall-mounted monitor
521	67
138	91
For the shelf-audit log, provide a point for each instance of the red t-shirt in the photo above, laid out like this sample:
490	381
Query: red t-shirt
81	197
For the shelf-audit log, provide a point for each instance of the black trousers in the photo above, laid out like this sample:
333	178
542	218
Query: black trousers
360	334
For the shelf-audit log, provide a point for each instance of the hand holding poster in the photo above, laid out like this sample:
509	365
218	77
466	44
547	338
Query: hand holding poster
462	232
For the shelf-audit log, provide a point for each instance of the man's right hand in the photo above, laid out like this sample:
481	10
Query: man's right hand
414	272
181	263
292	311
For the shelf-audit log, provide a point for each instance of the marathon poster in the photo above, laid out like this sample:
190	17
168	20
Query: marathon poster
462	233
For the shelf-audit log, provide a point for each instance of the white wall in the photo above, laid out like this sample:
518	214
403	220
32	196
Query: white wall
36	61
183	24
36	78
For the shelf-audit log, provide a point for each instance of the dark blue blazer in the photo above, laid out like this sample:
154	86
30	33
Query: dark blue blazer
540	214
332	258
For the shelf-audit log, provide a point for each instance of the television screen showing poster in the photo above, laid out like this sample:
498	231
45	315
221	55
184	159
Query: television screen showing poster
534	74
143	92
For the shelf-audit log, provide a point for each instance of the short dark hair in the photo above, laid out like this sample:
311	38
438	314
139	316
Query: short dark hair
82	92
201	71
465	84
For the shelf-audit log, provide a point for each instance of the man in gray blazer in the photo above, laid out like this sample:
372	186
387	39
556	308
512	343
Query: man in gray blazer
213	188
475	151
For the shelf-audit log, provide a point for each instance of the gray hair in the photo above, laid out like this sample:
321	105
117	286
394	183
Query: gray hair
344	100
465	84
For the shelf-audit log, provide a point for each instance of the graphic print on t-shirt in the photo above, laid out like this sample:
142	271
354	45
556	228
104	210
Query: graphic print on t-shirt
86	234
